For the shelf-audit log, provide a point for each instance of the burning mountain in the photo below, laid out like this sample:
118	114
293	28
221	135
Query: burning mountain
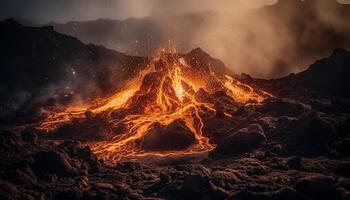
172	92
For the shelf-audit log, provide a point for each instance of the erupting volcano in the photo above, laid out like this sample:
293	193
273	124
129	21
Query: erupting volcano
125	108
161	111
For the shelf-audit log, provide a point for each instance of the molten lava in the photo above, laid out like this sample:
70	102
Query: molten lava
166	91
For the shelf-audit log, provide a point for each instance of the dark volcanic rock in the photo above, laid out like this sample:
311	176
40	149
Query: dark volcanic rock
27	52
281	194
10	141
200	187
314	128
295	163
53	162
316	185
175	136
90	130
279	107
29	136
241	141
82	155
8	191
326	78
343	169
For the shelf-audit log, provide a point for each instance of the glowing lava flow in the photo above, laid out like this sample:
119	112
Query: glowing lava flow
161	94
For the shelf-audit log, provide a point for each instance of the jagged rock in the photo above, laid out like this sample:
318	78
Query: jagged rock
314	129
67	193
342	194
8	190
200	187
316	185
53	162
284	121
164	178
286	193
343	169
295	163
175	136
87	160
267	123
89	130
277	148
224	179
280	107
105	186
10	140
278	163
241	141
19	177
49	178
29	136
258	170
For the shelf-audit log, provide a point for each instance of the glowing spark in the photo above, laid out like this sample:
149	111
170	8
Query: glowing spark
167	97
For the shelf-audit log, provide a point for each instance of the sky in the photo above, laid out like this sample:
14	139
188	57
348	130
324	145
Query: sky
43	11
261	46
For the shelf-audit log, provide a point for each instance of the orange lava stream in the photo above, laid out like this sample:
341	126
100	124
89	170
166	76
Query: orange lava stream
167	101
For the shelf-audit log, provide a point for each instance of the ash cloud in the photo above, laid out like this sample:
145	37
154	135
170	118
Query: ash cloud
268	42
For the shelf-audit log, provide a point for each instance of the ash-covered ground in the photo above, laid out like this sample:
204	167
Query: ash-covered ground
294	145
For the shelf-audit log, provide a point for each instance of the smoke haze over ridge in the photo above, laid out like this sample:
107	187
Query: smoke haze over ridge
264	42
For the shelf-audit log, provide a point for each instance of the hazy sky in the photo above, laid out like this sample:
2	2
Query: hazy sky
42	11
258	45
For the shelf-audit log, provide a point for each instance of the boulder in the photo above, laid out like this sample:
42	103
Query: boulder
279	107
241	141
316	185
175	136
81	153
313	128
200	187
52	162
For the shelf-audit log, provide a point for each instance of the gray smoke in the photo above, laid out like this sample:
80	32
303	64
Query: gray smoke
265	42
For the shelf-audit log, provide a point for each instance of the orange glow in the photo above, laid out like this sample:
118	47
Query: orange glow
161	94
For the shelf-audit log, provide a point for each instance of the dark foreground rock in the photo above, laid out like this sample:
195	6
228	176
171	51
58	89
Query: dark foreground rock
175	136
254	162
241	141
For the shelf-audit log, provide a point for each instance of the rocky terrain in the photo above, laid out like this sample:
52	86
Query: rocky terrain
294	145
280	150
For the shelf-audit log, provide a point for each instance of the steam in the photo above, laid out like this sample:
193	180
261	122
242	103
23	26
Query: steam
264	42
267	42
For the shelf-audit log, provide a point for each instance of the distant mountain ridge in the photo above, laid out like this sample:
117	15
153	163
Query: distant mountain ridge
37	62
305	31
326	78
